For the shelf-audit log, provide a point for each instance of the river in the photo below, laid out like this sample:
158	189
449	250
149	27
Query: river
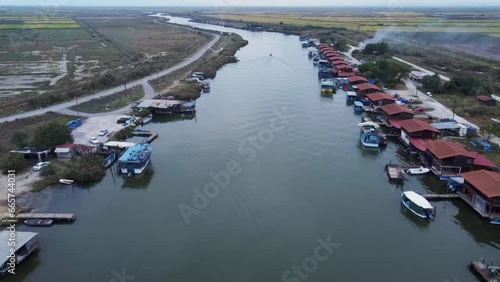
295	188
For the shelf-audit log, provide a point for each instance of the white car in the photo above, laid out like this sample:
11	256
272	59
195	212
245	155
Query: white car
93	140
41	165
103	132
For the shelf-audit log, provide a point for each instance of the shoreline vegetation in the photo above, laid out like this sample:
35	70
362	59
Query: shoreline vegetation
222	53
117	101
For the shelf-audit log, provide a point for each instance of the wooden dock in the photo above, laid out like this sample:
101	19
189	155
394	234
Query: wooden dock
395	171
438	197
68	217
150	136
488	273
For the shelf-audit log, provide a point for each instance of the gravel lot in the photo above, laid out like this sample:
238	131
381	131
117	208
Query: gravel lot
92	125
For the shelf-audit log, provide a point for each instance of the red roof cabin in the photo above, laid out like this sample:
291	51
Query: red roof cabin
367	88
395	112
354	80
414	131
484	100
446	158
378	99
482	192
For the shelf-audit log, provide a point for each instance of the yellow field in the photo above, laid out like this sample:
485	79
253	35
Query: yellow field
414	22
31	22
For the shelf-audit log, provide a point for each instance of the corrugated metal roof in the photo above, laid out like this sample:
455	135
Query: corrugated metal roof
21	239
446	125
488	182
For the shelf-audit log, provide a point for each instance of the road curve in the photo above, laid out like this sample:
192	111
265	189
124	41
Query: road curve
107	92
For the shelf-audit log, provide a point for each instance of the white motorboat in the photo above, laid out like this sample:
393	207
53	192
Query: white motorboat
420	170
66	181
418	205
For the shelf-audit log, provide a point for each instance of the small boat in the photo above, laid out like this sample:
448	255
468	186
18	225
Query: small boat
418	205
39	222
66	181
358	106
109	160
495	221
147	119
420	170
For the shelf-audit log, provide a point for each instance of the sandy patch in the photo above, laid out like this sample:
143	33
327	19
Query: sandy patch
92	125
24	182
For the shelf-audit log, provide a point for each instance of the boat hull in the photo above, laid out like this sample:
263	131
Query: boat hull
406	202
66	181
42	223
418	171
134	171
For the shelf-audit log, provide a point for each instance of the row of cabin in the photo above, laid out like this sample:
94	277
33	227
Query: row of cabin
341	68
444	158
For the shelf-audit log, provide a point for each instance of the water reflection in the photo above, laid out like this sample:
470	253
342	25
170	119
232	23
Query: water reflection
173	117
417	221
140	181
477	227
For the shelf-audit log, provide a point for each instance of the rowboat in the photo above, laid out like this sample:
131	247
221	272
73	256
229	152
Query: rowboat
418	205
420	170
66	181
495	221
39	222
147	119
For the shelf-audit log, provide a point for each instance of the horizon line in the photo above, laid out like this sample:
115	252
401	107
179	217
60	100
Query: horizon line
267	6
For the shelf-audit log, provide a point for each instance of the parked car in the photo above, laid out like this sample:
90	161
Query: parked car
103	132
41	165
93	140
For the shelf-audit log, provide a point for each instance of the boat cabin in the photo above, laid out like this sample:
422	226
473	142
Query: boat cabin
412	129
482	192
446	158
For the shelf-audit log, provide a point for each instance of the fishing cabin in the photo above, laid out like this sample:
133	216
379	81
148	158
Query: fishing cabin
395	112
337	61
414	132
482	192
484	100
26	243
366	88
446	158
355	80
68	151
378	99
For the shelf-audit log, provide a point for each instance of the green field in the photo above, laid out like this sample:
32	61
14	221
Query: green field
370	22
32	22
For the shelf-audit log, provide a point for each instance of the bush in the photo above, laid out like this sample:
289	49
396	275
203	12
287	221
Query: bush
380	48
20	139
48	170
52	134
14	162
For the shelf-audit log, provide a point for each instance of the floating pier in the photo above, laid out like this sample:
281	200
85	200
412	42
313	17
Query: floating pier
488	273
395	171
67	217
438	197
150	136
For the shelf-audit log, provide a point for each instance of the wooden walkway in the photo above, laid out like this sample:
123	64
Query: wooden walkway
54	216
395	171
151	136
438	197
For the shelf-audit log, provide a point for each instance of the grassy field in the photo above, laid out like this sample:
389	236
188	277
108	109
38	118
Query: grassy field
113	102
29	22
371	22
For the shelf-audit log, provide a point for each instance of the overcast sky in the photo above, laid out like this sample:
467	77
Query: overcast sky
234	3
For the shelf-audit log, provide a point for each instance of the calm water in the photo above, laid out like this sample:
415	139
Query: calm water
299	175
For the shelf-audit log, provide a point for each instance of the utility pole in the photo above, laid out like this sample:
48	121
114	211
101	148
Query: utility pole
77	111
454	104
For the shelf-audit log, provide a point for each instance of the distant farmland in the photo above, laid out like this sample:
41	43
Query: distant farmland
371	22
30	22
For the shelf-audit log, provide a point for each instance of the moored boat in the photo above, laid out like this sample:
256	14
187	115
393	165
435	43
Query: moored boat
327	86
147	119
135	159
420	170
369	137
358	106
418	205
66	181
495	221
39	222
351	96
109	160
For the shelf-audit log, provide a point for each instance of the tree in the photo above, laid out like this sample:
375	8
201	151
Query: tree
52	134
469	85
388	72
341	45
381	48
20	139
14	162
432	83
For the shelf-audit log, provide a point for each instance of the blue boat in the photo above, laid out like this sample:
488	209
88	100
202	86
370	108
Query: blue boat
351	96
147	119
305	44
495	221
135	159
369	138
358	106
456	184
109	160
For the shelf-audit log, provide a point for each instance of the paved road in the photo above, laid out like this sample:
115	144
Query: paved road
143	81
